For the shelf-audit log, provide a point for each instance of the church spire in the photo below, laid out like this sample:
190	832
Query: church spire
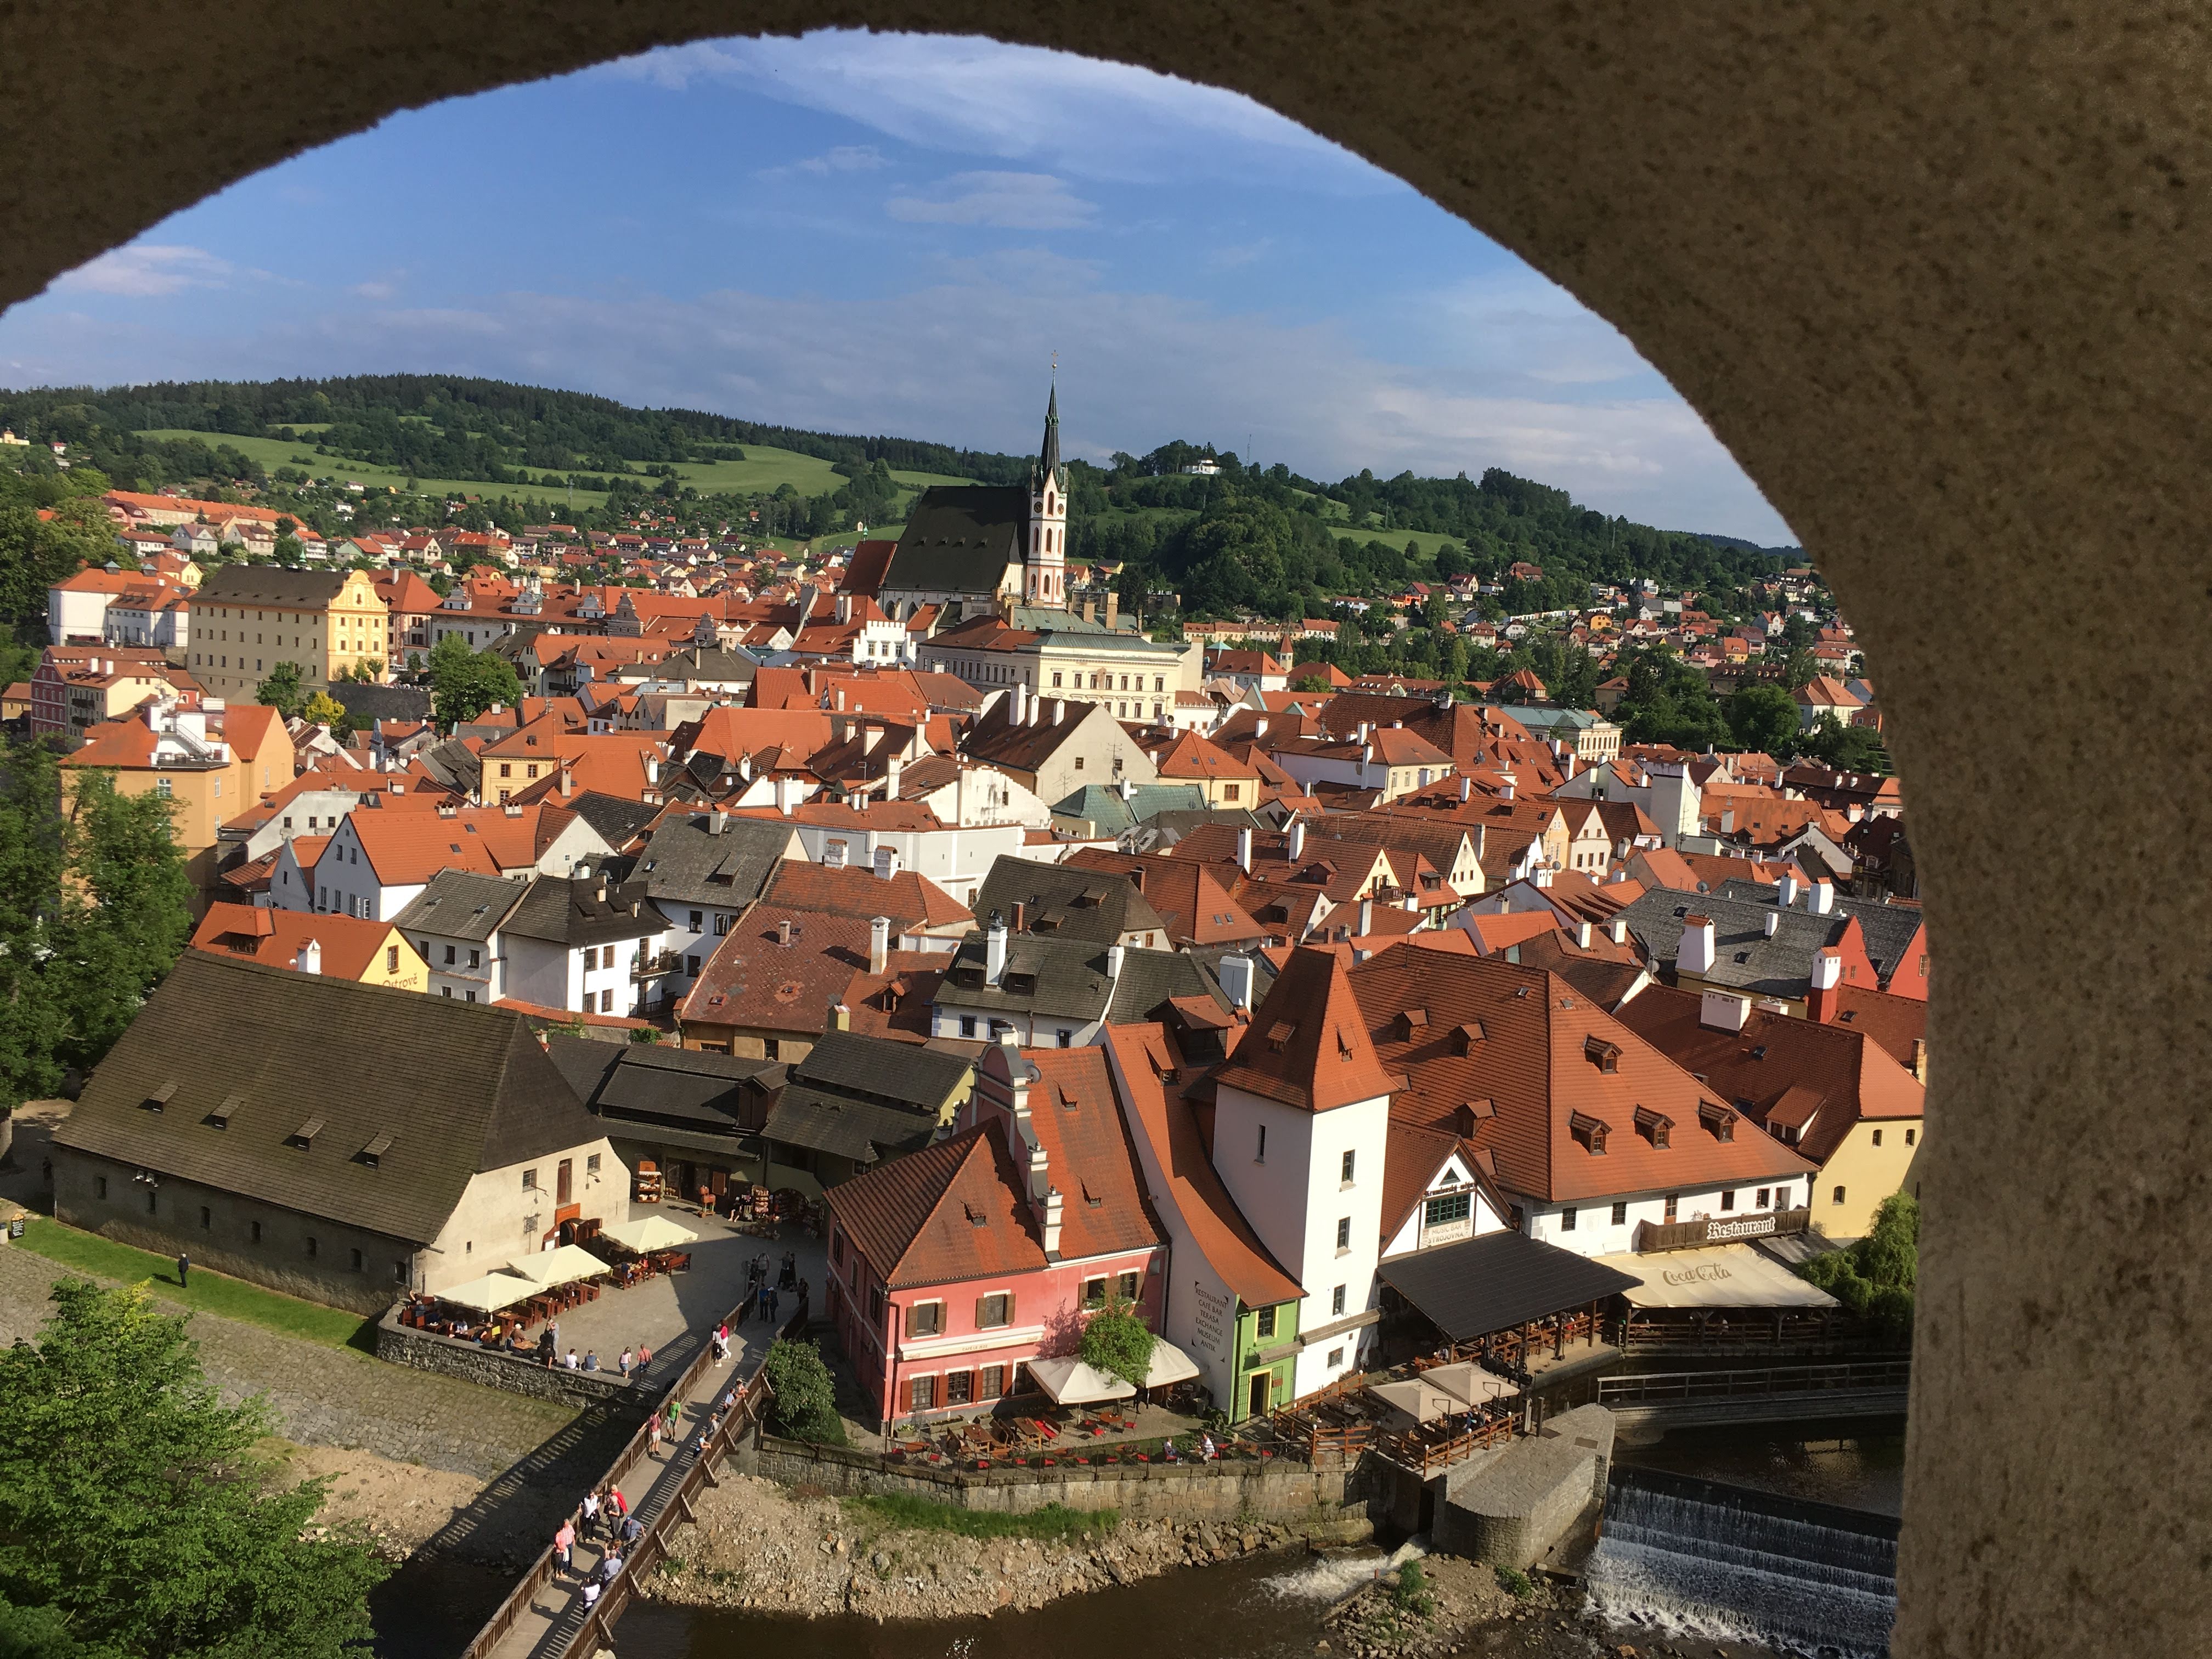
1049	461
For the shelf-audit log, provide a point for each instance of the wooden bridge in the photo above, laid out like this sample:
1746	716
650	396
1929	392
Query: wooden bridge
1774	1394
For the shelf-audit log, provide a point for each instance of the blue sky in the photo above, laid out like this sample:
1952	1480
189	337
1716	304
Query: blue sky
894	234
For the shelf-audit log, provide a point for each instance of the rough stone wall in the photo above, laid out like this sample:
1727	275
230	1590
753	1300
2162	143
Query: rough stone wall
426	1351
1936	276
1178	1492
1509	1508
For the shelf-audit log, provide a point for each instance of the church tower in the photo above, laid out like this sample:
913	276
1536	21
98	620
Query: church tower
1044	571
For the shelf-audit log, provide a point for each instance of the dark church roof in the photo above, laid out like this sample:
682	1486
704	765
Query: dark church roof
960	539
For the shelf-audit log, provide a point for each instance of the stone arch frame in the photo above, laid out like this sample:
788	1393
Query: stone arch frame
1935	275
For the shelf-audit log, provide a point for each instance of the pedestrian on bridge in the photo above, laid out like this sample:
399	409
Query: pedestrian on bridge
564	1546
652	1438
628	1360
590	1515
644	1359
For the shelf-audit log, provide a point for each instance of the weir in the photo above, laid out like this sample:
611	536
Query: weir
1689	1555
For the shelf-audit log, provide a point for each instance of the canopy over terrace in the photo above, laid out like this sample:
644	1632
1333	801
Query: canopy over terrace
1168	1365
648	1233
1717	1276
1499	1282
1442	1391
560	1267
1071	1382
493	1291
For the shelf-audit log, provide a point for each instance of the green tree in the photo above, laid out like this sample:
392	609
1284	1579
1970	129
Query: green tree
1847	748
805	1403
1800	669
466	683
1310	683
161	1531
282	690
1763	718
1875	1276
32	852
323	709
1116	1342
123	915
35	553
36	1633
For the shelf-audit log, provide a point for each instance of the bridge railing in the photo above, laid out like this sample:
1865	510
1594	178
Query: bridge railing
503	1619
1671	1387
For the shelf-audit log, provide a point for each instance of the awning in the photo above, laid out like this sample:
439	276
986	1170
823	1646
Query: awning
1071	1382
1444	1391
1169	1364
1498	1281
559	1266
1716	1276
491	1292
650	1233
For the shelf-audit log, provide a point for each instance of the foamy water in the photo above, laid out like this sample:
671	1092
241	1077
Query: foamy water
1333	1576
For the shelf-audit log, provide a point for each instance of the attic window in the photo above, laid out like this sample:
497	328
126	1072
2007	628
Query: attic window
1464	1037
374	1151
1716	1118
1413	1020
157	1098
455	845
1655	1126
1760	1052
1591	1132
1605	1056
1092	1200
220	1118
1281	1033
304	1136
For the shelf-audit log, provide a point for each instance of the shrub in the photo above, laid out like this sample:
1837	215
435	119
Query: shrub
1514	1582
1116	1342
805	1404
1875	1276
1412	1593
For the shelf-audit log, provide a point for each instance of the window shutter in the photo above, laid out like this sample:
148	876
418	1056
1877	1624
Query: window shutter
982	1312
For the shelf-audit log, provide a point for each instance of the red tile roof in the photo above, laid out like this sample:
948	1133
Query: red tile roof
1308	1045
349	944
951	1211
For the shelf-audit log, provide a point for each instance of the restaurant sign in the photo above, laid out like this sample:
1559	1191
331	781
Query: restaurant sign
1750	1226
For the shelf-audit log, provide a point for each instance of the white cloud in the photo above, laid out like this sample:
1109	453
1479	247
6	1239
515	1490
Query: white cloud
147	269
1080	116
1003	201
843	158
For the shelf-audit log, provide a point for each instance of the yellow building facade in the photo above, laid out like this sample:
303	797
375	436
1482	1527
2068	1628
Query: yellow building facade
247	618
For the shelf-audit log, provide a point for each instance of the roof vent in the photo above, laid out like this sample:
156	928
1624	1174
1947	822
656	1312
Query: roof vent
304	1136
373	1151
220	1118
157	1098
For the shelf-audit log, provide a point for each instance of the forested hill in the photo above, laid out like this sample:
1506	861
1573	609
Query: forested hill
451	427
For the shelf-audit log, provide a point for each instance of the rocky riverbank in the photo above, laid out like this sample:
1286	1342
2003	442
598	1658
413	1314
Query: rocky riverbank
765	1547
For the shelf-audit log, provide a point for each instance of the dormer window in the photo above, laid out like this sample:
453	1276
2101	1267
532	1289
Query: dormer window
1412	1022
304	1136
1464	1037
1605	1056
1655	1126
157	1098
1279	1033
1717	1119
371	1153
1591	1132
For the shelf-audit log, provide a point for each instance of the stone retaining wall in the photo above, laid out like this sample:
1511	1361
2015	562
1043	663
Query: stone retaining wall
1179	1491
426	1351
1510	1509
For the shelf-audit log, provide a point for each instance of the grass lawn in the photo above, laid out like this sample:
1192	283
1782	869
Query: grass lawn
209	1292
1429	540
913	1514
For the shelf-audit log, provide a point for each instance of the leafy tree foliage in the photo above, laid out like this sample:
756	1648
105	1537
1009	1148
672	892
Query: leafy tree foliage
282	690
323	709
140	1518
1764	719
805	1403
1667	702
466	683
36	553
1847	748
1116	1342
95	905
1875	1276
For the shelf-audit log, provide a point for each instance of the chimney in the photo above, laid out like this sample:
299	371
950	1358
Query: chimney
717	821
1822	995
783	931
1036	711
840	1017
1366	917
1466	788
1785	890
308	959
1019	923
1244	849
599	894
1054	1207
1018	704
1115	956
1583	932
1695	953
1236	977
1091	610
994	949
891	769
1823	896
879	945
844	609
1620	930
786	795
1364	728
841	699
1113	607
1258	728
1719	1012
1059	709
652	769
1773	923
1298	839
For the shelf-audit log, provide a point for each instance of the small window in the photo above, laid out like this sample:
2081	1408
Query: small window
207	1220
391	958
1908	1136
990	1382
449	956
967	1025
99	1186
1336	1300
1620	1214
1335	1358
1263	1323
1125	1286
1839	1196
311	1246
925	1319
1567	1220
530	1180
1094	1292
591	958
606	1002
1673	1202
1763	1198
921	1393
1079	767
399	1272
771	1048
1350	1162
1877	1137
1343	1234
1260	1156
959	1387
698	922
1450	1207
993	1312
356	1261
1728	1200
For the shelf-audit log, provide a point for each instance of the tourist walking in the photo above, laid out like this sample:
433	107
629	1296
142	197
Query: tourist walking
788	1278
644	1360
184	1270
590	1592
590	1513
652	1438
564	1545
774	1298
628	1360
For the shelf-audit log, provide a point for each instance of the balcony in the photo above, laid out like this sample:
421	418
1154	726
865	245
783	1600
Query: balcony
652	966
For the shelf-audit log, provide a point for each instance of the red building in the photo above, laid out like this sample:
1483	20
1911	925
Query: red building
953	1268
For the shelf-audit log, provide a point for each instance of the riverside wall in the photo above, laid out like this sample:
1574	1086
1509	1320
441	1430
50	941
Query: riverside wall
426	1351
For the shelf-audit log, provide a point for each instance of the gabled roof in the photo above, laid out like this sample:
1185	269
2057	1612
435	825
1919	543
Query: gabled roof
1888	929
1308	1045
238	1042
581	910
269	585
461	904
950	1211
255	932
959	539
688	858
910	901
1043	975
1150	978
1150	1070
1745	956
1066	901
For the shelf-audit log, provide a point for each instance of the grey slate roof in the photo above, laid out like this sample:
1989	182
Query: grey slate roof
461	904
1151	977
1889	928
454	764
685	863
571	910
1497	1281
651	1082
1044	975
1744	957
368	704
456	1087
861	1130
854	1062
960	539
1095	906
615	818
1104	808
269	584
